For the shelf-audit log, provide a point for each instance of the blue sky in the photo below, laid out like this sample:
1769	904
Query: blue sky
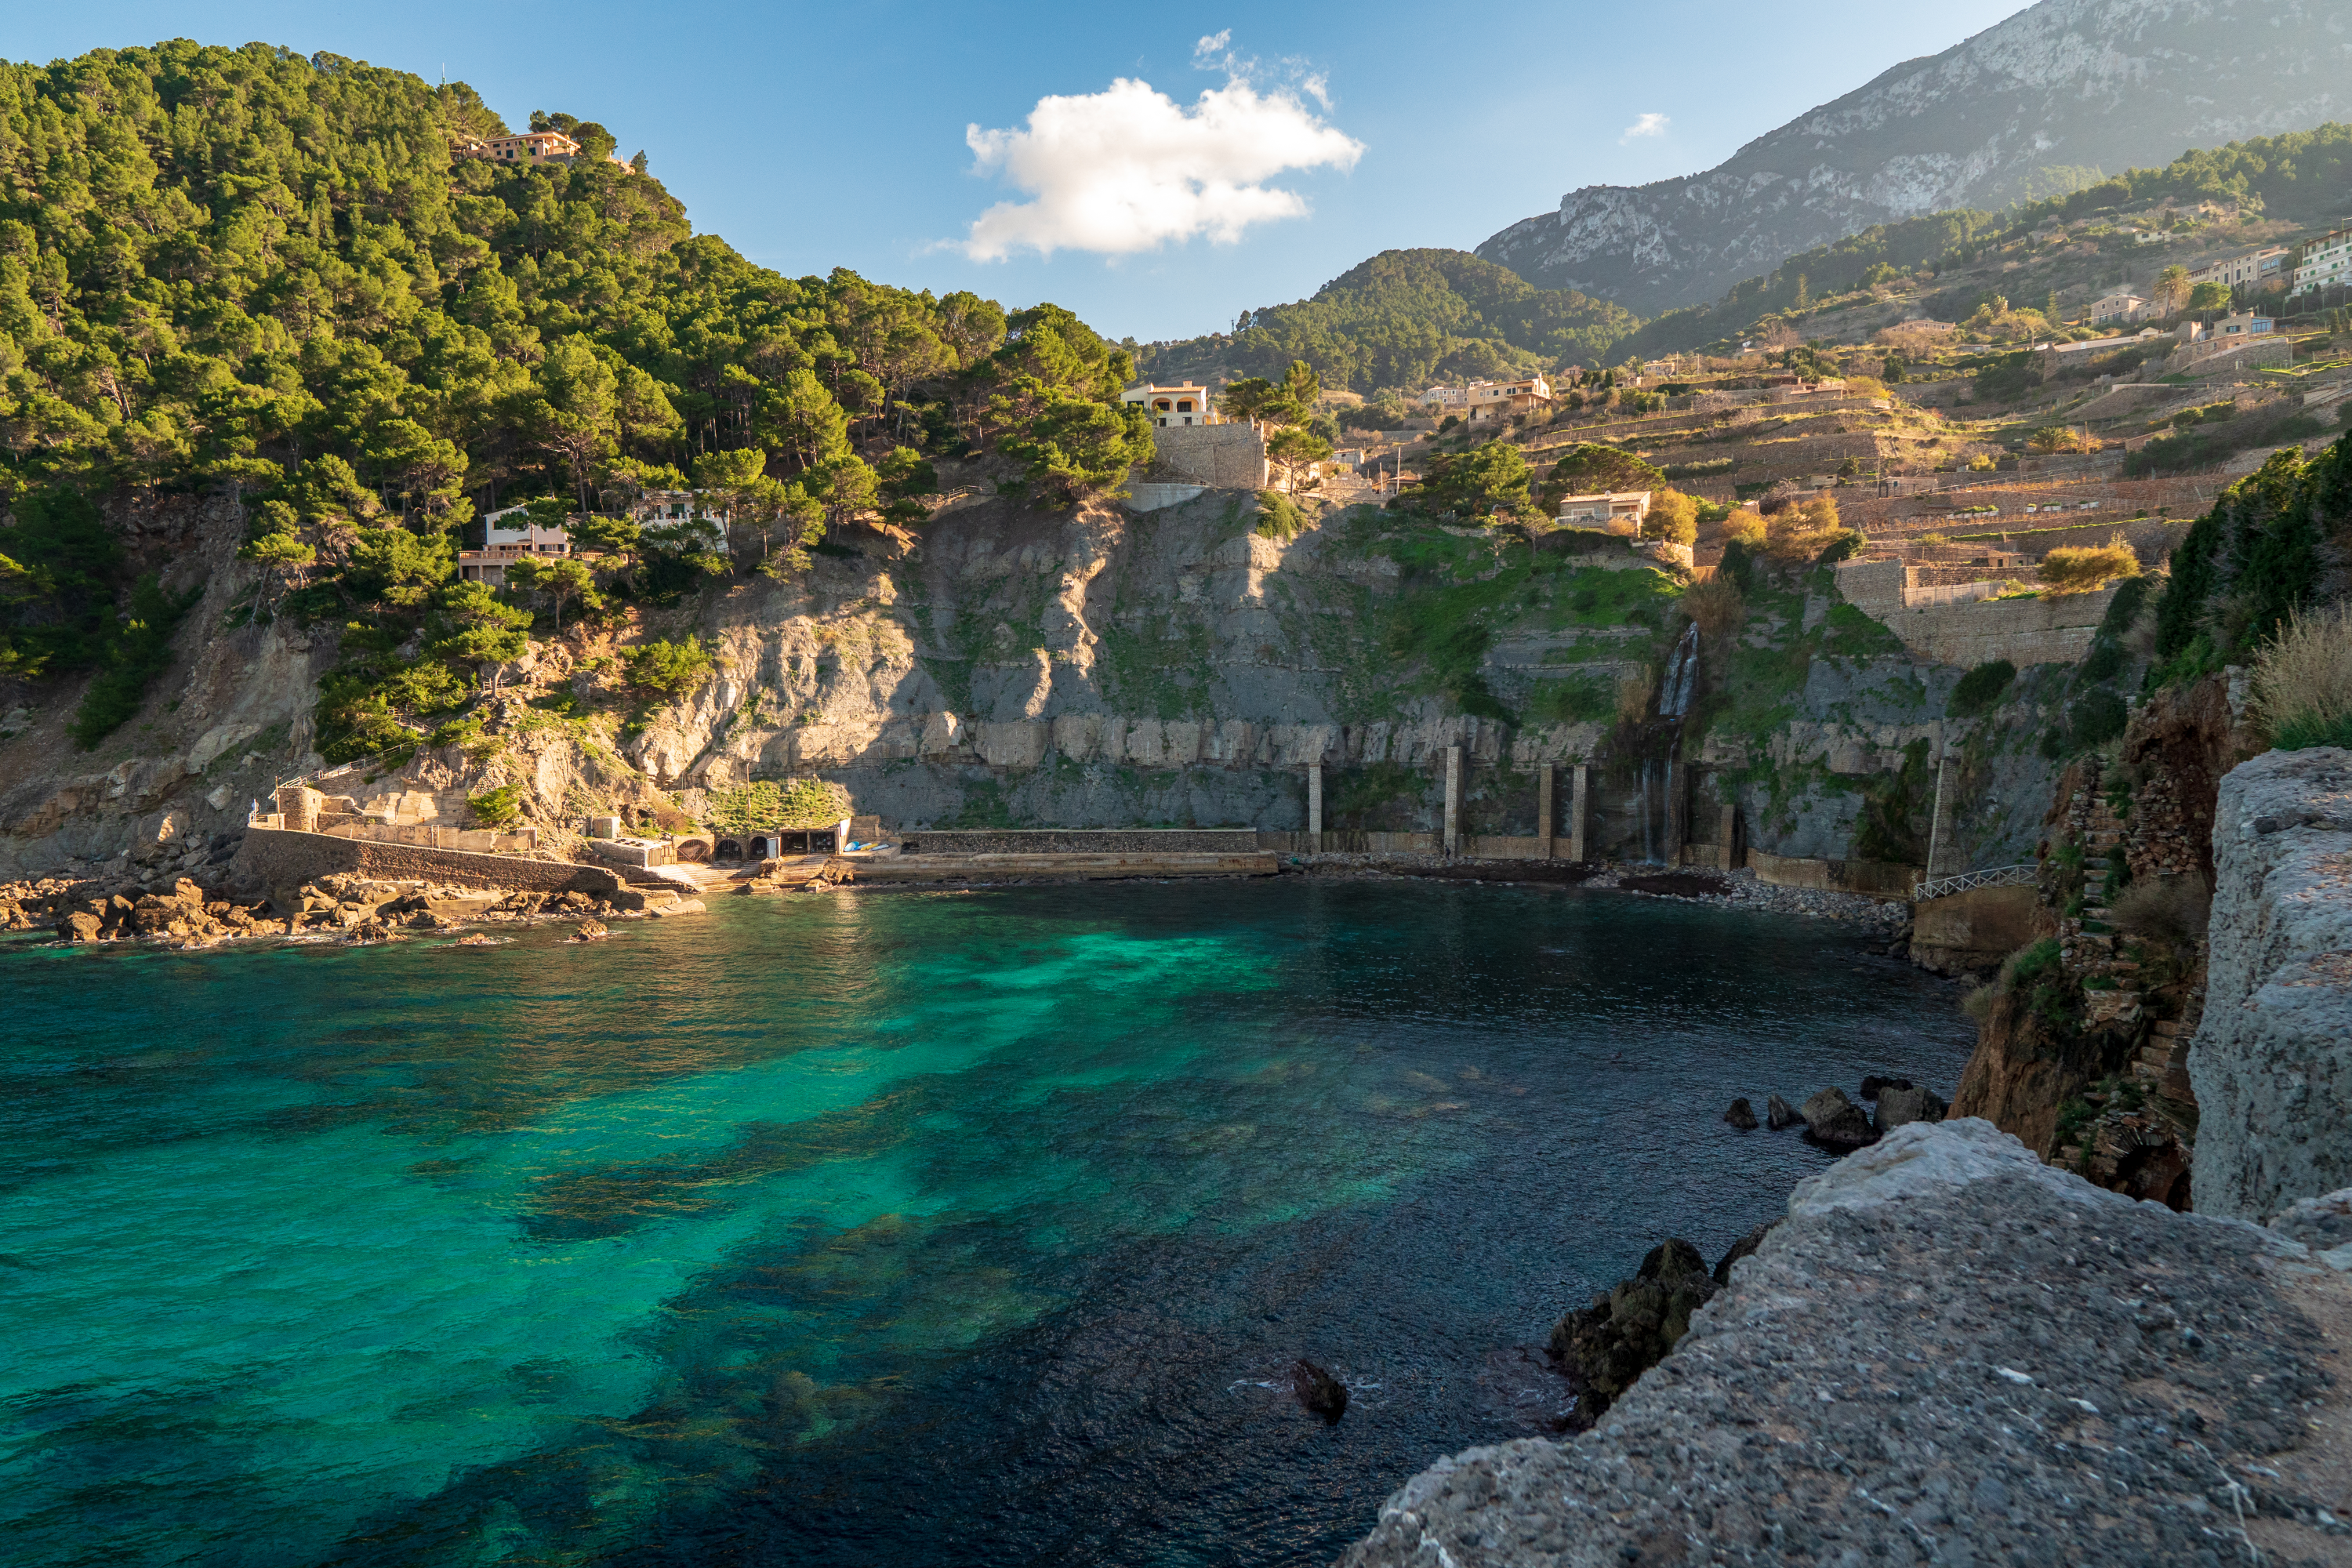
811	137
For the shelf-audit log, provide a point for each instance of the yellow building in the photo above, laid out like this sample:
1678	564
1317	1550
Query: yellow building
1188	402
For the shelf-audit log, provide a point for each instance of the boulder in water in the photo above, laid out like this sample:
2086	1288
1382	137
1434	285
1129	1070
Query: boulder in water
1832	1118
1741	1115
1604	1347
1318	1390
1874	1084
1778	1114
1897	1107
1743	1247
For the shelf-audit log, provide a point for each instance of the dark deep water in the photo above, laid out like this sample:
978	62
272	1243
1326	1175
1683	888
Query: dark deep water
902	1229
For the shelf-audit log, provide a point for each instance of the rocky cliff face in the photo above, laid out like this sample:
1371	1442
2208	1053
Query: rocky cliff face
2083	1047
2017	112
2273	1061
1084	668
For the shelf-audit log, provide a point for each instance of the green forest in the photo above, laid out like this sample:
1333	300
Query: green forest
1406	318
263	276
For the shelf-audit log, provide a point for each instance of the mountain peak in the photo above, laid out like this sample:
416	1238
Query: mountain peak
2039	104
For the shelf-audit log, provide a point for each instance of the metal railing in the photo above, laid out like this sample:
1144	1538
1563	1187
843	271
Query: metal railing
1967	881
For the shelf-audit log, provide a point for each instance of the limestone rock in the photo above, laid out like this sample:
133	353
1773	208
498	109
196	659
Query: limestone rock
1778	1114
1901	1107
1832	1118
1320	1393
591	930
1622	1335
1741	1115
1743	1247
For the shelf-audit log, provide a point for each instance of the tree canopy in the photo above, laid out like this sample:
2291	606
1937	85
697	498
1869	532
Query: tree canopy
266	276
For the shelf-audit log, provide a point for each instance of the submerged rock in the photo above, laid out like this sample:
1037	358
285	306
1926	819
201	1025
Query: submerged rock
1745	1246
1604	1347
591	930
1899	1106
1832	1118
1318	1390
1741	1115
1778	1114
1872	1086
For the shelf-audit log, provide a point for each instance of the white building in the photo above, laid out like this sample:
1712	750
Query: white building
661	507
508	535
1188	402
2324	261
1619	511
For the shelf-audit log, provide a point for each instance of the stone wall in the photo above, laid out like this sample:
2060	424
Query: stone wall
283	862
1084	841
2272	1059
1871	878
1224	457
2024	631
1975	930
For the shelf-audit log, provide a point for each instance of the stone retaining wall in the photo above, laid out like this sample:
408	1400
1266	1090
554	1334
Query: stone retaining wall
1084	841
1224	457
284	860
1871	878
1975	930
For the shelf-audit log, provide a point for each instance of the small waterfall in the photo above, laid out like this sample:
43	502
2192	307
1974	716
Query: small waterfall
1682	677
1649	850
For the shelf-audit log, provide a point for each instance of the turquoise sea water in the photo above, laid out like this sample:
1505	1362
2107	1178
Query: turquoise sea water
866	1229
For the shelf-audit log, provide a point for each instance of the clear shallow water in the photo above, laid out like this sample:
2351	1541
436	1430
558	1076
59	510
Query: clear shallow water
866	1229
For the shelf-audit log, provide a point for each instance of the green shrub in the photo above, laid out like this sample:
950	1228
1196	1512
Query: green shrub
1276	518
1980	687
665	668
2096	720
497	808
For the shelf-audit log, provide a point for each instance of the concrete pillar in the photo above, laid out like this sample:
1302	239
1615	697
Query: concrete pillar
1315	801
1580	811
1544	823
1734	853
1454	800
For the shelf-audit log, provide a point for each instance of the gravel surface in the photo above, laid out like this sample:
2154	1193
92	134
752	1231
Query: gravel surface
1952	1355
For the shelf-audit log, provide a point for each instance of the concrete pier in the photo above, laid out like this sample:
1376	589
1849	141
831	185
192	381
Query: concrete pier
1544	815
1315	797
1454	800
1580	810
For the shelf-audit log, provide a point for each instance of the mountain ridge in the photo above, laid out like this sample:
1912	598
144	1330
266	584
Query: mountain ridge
2051	98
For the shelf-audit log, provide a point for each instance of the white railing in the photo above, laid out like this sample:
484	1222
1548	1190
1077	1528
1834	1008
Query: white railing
1967	881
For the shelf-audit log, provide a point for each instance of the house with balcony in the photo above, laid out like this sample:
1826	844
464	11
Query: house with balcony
2254	270
1174	407
2324	262
508	536
1487	400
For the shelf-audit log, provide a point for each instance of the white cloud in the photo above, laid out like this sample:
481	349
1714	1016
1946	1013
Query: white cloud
1129	169
1214	50
1647	125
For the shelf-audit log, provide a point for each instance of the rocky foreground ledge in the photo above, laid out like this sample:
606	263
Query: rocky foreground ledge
1951	1354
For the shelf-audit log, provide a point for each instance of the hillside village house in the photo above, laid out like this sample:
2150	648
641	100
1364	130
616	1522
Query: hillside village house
2324	261
2245	324
1482	400
507	537
2120	307
2254	269
1618	511
1188	402
659	508
530	148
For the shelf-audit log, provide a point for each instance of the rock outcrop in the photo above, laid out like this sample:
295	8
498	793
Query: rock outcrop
1741	1115
1604	1347
1832	1118
2272	1061
1946	1353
